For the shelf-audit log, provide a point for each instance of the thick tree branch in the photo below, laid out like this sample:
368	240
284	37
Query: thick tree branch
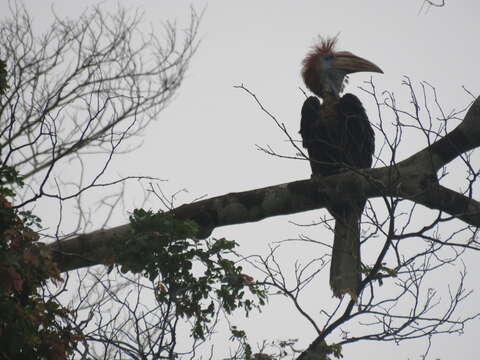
414	178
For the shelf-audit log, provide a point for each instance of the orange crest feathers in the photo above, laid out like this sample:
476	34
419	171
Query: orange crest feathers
309	67
325	46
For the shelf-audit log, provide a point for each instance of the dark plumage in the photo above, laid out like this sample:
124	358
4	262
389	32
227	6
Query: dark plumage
338	137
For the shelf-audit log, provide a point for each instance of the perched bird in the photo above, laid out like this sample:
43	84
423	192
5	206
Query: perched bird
338	137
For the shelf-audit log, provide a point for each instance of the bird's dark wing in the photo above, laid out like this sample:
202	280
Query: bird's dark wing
358	144
317	138
310	114
313	137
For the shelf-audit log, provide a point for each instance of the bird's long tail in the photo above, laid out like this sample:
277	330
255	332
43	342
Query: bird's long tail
345	268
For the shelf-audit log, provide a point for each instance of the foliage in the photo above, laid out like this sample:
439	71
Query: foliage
31	325
241	337
195	275
335	349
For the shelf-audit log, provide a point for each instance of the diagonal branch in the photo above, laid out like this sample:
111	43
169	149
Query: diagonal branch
413	178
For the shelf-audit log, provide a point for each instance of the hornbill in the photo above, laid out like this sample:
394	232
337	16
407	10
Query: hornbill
338	137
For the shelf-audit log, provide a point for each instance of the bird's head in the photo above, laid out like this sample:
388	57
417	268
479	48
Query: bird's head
324	69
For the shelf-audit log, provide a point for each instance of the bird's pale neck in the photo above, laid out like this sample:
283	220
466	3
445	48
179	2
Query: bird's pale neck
333	83
325	84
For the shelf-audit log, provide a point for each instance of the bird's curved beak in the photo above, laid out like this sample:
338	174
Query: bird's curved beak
350	63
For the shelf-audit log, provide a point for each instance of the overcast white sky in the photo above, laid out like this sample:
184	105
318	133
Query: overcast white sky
205	140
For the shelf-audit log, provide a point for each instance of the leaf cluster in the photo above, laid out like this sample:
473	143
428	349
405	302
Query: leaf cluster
31	326
194	275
